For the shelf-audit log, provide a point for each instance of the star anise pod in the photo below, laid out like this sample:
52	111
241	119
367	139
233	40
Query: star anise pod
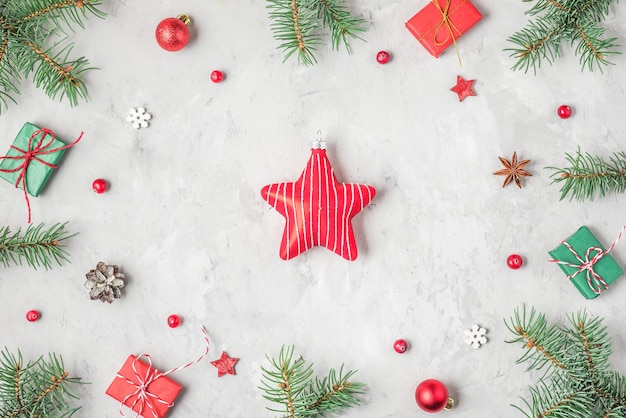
105	282
513	170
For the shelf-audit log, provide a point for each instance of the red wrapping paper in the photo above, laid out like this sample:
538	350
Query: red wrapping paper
163	389
442	22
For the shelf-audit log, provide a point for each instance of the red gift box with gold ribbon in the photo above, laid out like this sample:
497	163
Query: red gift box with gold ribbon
442	22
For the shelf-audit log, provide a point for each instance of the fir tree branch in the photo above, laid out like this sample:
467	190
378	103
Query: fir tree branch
297	25
335	392
41	388
590	176
534	332
32	44
290	382
37	246
585	387
341	23
563	19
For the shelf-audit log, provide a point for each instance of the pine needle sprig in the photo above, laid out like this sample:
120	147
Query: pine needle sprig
336	16
297	25
38	246
589	176
558	20
41	388
580	384
33	43
290	382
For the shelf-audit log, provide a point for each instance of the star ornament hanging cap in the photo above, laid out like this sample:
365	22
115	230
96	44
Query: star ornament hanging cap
318	209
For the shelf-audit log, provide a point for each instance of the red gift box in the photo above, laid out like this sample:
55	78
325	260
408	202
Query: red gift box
442	22
143	388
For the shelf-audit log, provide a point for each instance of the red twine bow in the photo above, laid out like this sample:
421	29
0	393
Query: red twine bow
142	382
31	154
595	282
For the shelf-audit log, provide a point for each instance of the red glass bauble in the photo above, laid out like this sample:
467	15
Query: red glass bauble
383	57
99	186
172	34
431	395
514	261
217	76
400	346
564	111
32	315
173	321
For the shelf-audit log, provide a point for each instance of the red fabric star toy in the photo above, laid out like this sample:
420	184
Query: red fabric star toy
463	88
225	365
318	210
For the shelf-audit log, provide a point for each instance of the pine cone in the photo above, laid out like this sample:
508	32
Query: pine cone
105	282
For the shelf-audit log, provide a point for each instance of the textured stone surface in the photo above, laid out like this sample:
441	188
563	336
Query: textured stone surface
185	221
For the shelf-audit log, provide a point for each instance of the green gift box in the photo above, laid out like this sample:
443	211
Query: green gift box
37	174
606	267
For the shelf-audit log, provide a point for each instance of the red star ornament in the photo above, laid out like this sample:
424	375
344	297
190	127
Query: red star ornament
318	210
463	88
225	365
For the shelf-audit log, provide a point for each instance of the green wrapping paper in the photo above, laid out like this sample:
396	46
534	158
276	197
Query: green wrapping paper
37	174
580	241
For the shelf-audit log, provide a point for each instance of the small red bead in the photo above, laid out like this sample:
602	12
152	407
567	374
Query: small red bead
173	321
400	346
99	186
383	57
514	261
32	315
564	111
217	76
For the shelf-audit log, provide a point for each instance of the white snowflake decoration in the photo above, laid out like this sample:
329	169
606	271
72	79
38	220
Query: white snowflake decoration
475	336
139	118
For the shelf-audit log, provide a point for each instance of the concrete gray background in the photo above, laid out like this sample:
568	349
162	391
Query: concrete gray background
185	221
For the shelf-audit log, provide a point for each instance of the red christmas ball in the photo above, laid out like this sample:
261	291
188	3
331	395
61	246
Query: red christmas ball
173	321
172	34
217	76
400	346
514	261
32	315
432	396
564	111
99	186
383	57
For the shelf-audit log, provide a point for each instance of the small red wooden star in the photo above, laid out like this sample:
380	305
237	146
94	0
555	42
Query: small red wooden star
225	364
463	88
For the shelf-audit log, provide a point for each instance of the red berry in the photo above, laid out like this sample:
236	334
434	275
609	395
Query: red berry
217	76
564	111
514	261
99	186
173	320
400	346
32	315
383	57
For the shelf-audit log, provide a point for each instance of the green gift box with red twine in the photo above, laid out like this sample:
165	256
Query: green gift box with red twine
31	159
586	263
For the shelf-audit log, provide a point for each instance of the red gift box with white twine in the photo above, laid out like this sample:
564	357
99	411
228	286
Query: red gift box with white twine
146	390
